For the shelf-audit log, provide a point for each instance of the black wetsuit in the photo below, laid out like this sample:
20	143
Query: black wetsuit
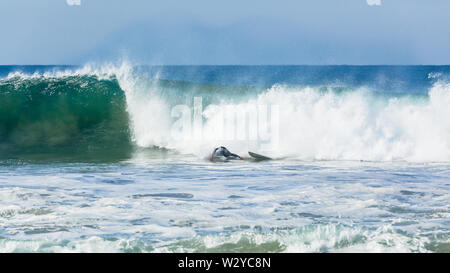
223	152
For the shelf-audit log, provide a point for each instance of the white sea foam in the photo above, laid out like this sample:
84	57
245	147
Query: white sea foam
312	124
319	238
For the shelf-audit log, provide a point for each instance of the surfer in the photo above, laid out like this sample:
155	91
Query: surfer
223	153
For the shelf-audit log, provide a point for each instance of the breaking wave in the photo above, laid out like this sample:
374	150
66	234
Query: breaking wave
114	109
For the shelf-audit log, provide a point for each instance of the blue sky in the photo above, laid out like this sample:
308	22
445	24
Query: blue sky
225	32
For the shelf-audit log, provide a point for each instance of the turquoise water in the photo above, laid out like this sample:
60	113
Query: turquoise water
88	161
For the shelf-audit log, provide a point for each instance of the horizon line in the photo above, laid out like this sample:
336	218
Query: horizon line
231	64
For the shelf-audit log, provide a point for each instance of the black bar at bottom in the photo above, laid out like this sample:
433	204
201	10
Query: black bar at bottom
228	262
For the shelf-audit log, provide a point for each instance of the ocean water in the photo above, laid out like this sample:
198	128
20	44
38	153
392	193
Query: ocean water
114	158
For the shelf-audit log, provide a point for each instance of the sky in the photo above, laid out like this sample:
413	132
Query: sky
219	32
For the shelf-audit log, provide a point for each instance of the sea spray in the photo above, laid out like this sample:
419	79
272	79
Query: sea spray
313	123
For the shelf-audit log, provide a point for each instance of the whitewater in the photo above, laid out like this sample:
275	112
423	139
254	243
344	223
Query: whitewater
93	159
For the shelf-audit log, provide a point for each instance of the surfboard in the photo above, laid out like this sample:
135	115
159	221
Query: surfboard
259	157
